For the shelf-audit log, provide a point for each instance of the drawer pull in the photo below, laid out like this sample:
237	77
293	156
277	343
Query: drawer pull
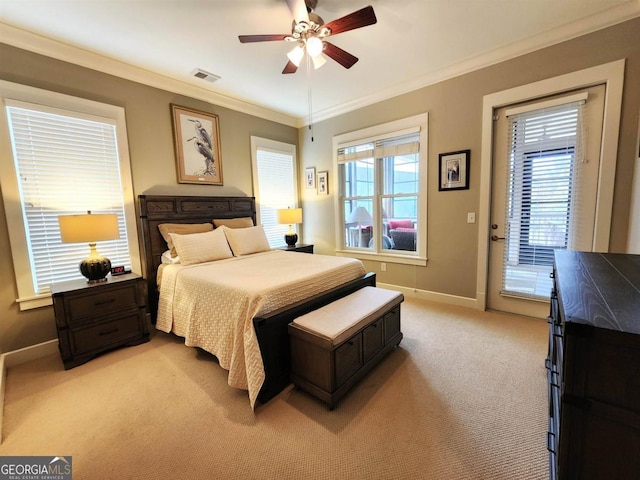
104	302
108	332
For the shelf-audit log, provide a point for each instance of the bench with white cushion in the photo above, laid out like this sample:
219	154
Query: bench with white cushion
334	346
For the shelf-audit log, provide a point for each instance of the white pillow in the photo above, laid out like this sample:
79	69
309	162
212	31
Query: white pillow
167	259
201	247
244	241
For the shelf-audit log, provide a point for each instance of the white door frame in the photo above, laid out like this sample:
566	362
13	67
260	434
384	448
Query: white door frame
611	74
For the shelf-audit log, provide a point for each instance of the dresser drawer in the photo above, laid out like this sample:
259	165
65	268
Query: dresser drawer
348	358
103	302
99	336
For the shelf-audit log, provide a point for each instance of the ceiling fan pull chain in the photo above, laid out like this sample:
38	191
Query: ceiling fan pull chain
309	95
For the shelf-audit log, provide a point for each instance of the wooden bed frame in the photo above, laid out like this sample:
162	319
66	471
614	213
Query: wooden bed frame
271	329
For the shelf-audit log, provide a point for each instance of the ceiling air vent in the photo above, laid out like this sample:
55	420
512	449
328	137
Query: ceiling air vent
209	77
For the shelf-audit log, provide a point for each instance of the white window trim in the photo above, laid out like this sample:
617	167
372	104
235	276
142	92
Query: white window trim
282	147
361	136
611	74
27	298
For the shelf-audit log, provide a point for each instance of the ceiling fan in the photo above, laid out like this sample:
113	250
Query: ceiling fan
309	32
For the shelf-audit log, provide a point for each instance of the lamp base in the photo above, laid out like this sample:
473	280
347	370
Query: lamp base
291	239
95	268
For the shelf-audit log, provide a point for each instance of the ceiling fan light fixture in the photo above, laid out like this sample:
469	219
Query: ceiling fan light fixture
296	55
314	46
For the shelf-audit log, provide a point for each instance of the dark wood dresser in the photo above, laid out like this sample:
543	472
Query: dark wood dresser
594	367
94	318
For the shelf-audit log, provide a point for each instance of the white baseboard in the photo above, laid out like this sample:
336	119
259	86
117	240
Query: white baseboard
432	296
18	357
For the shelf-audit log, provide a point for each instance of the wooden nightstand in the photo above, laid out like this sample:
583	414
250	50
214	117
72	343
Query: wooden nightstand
300	247
94	318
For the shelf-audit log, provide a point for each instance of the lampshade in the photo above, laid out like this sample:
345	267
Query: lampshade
296	55
289	216
360	215
88	228
318	61
91	229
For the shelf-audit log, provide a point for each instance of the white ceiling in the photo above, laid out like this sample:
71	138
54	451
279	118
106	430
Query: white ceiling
414	43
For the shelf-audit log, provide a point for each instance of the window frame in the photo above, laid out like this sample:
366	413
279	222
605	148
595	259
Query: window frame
27	297
258	143
370	134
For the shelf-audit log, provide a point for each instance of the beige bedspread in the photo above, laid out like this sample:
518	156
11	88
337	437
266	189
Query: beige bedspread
212	304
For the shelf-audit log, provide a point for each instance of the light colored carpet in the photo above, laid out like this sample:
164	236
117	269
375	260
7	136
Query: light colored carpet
463	397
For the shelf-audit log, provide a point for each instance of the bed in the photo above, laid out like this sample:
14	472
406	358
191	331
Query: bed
266	324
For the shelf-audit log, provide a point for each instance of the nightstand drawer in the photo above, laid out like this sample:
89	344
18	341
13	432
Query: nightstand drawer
107	333
103	302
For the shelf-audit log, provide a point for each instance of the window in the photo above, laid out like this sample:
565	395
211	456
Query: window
274	185
381	191
63	156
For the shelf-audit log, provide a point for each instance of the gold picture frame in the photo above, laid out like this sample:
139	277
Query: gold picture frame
196	137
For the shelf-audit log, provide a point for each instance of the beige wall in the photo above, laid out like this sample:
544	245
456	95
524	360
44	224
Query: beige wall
152	158
455	121
454	106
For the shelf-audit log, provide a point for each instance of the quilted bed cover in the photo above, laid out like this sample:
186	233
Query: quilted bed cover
212	304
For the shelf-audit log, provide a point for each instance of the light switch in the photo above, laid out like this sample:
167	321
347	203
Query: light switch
471	217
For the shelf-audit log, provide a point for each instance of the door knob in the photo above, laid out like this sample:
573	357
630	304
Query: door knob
495	238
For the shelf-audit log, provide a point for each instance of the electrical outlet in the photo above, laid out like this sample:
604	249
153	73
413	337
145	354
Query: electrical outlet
383	267
471	217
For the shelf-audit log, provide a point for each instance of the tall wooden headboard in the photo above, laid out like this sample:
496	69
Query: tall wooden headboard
157	209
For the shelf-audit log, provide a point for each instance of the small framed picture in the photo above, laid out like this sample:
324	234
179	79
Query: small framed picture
310	177
454	170
196	137
323	183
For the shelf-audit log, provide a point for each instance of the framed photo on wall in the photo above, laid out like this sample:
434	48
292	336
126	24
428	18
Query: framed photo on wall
323	183
196	137
310	177
454	170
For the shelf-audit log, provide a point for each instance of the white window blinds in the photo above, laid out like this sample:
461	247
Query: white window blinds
66	163
275	186
545	144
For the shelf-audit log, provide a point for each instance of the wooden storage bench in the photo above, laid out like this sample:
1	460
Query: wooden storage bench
334	346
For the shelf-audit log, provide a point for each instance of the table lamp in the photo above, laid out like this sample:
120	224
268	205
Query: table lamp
361	216
91	229
290	216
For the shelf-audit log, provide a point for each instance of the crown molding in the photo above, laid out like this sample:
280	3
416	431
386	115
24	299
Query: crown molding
32	42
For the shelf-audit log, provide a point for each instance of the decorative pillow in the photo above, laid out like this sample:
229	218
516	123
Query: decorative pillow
394	224
244	241
243	222
167	259
201	247
166	229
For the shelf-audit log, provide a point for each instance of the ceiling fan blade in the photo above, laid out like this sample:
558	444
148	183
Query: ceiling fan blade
261	38
290	67
360	18
298	10
342	57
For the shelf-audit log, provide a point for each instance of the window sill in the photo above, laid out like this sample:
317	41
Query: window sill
383	257
29	303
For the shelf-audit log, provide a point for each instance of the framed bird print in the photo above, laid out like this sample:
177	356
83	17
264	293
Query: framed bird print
196	137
